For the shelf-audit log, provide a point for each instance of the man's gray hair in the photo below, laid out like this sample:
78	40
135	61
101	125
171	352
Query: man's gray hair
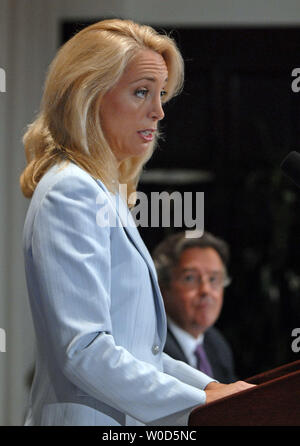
167	253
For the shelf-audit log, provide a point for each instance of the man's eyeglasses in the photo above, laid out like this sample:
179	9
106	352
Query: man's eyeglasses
216	279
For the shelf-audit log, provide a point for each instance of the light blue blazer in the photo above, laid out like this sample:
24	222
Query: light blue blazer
98	313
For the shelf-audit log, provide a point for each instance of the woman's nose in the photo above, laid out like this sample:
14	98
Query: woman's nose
157	112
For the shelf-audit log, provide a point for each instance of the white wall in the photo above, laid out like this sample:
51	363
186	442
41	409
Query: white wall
28	41
3	210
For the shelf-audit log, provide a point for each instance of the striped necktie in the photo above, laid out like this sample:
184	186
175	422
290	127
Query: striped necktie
202	361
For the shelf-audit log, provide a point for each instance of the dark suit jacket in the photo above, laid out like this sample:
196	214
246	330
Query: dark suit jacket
218	352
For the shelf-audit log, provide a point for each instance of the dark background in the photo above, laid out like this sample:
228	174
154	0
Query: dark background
236	120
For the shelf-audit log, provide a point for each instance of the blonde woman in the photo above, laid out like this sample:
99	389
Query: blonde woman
97	309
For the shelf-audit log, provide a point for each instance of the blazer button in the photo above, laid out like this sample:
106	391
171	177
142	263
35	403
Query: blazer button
155	349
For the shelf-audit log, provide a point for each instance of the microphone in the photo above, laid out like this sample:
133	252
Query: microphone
291	167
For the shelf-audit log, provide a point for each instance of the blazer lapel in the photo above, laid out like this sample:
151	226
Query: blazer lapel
133	234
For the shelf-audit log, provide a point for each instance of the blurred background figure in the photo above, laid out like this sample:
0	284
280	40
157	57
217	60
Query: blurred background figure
192	274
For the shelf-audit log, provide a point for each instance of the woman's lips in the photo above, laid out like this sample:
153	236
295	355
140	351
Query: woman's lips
147	135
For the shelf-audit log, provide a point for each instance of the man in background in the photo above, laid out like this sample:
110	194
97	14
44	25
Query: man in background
192	274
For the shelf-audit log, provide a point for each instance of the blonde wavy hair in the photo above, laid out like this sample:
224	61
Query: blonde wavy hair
68	125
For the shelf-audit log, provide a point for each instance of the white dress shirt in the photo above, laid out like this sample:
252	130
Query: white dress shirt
186	341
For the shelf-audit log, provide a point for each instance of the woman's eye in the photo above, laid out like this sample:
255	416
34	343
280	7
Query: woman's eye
141	93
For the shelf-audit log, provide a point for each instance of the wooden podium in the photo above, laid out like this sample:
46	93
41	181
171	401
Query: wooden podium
275	401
